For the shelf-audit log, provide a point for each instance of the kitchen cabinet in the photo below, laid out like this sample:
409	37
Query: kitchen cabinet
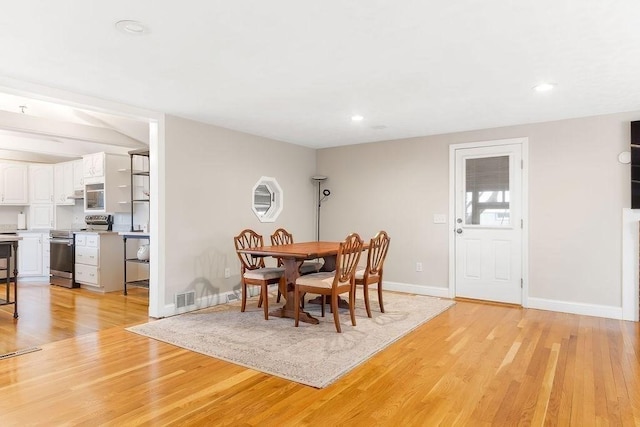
78	175
40	184
63	183
108	192
93	165
98	261
41	216
13	184
33	256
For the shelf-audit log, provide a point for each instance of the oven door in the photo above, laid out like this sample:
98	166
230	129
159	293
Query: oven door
61	260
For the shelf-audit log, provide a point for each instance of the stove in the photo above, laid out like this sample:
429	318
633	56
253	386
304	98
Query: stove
64	233
99	222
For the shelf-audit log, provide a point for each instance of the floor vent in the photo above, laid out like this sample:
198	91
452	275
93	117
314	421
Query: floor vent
232	297
19	352
185	299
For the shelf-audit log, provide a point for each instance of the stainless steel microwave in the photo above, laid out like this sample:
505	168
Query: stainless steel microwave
94	197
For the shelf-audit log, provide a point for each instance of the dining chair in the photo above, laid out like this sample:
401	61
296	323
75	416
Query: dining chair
334	283
253	270
283	237
372	273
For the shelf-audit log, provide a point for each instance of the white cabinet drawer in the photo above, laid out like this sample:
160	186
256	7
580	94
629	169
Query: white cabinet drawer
87	274
93	240
81	239
87	255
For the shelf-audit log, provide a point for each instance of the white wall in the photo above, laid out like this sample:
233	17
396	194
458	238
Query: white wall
210	173
577	190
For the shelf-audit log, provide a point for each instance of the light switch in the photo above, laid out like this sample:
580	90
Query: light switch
439	218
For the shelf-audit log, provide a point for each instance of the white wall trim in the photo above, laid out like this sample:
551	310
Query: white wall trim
524	143
606	311
630	257
434	291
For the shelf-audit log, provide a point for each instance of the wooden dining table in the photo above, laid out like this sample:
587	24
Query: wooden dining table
293	255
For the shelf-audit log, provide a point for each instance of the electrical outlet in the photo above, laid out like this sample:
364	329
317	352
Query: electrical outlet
227	273
418	266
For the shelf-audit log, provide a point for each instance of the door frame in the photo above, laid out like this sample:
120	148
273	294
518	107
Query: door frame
524	143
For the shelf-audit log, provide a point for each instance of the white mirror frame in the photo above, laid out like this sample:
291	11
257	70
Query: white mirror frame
277	197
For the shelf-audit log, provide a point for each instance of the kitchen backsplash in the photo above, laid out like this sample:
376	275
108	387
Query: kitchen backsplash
8	227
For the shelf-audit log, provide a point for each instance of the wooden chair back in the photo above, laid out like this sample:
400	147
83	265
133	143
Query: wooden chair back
378	248
249	239
281	237
347	259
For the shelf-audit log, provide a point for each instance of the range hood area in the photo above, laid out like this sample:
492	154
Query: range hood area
77	195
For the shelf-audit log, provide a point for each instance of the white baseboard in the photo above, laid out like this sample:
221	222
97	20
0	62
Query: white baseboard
433	291
33	279
609	312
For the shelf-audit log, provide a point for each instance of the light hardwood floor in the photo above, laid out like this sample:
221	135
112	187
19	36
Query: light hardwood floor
476	364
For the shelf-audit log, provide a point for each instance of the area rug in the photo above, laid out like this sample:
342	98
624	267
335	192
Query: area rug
315	355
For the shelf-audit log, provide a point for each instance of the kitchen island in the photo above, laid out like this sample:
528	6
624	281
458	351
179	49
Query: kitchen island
6	244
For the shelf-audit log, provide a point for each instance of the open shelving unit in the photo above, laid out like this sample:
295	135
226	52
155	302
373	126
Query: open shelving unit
138	199
128	260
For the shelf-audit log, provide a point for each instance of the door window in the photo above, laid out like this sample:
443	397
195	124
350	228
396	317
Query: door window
487	191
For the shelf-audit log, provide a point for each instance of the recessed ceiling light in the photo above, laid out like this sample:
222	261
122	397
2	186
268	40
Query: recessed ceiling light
357	118
132	27
544	87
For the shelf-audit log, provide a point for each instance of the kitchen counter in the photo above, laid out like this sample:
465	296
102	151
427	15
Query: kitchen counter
9	232
134	234
95	232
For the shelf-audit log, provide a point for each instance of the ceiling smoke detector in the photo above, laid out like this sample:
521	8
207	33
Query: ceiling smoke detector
135	28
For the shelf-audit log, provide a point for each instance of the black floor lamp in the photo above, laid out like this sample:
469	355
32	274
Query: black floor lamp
321	196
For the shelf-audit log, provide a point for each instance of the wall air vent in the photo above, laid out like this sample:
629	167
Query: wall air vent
185	299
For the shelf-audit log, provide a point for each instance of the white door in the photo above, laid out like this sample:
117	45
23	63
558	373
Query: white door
488	223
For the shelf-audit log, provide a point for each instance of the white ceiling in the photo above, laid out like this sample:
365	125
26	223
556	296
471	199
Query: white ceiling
297	70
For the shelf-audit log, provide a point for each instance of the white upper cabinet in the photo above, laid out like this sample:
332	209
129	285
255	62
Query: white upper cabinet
78	175
40	184
107	182
63	183
41	216
93	165
13	184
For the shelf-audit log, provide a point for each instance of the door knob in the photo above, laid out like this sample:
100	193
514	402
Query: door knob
459	230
